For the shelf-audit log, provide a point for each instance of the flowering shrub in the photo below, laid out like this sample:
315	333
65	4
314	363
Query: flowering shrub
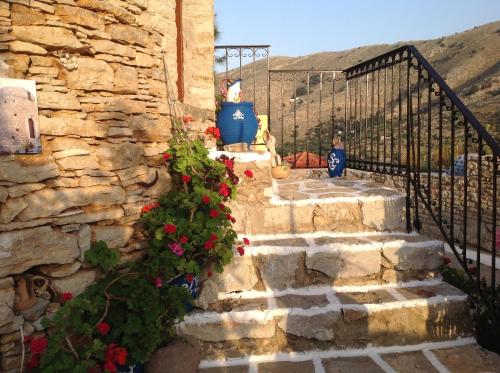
131	310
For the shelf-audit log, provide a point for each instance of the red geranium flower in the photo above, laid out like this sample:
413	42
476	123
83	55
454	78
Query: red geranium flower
222	206
109	367
183	240
169	228
213	237
214	131
28	339
214	213
65	297
116	354
150	207
189	277
229	163
241	250
33	362
224	189
103	328
209	245
248	173
246	241
205	200
186	179
446	260
167	156
38	345
187	119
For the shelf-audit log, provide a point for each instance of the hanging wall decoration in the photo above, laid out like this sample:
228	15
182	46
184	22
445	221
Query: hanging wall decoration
19	127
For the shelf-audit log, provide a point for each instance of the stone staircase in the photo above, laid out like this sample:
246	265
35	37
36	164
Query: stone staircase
330	283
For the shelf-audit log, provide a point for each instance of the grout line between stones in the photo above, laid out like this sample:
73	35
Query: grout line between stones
381	363
318	365
396	294
435	361
252	367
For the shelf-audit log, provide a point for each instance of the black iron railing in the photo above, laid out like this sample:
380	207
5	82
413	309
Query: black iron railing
303	112
402	119
399	118
245	62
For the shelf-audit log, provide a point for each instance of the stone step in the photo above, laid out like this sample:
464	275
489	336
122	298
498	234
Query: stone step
336	205
319	318
282	261
459	355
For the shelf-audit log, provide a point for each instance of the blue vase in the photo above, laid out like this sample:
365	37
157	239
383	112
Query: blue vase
237	122
336	162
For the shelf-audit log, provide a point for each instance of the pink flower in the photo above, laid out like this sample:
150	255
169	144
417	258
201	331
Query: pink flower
248	173
187	119
158	282
176	248
186	179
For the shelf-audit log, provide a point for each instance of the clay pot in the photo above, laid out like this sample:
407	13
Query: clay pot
25	295
281	172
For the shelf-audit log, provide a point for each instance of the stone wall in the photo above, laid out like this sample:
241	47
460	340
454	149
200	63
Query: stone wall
104	121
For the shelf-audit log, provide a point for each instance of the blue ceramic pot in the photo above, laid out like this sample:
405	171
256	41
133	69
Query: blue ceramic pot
336	162
237	122
192	287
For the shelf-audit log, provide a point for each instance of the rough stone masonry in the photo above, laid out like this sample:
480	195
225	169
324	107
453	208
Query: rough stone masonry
104	119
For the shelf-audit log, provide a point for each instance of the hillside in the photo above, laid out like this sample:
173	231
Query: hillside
469	61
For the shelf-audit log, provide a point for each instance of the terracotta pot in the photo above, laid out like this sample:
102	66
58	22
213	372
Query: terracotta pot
281	172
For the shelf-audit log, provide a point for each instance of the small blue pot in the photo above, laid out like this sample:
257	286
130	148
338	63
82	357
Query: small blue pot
336	162
237	122
192	287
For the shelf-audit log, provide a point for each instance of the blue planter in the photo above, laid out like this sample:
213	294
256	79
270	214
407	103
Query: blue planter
192	287
237	122
336	162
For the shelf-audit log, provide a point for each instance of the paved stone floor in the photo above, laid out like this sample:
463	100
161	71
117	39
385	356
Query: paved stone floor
301	189
463	359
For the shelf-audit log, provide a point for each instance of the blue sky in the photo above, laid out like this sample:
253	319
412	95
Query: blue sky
299	27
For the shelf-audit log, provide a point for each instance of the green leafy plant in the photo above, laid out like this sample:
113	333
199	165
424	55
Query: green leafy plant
132	309
486	321
99	255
